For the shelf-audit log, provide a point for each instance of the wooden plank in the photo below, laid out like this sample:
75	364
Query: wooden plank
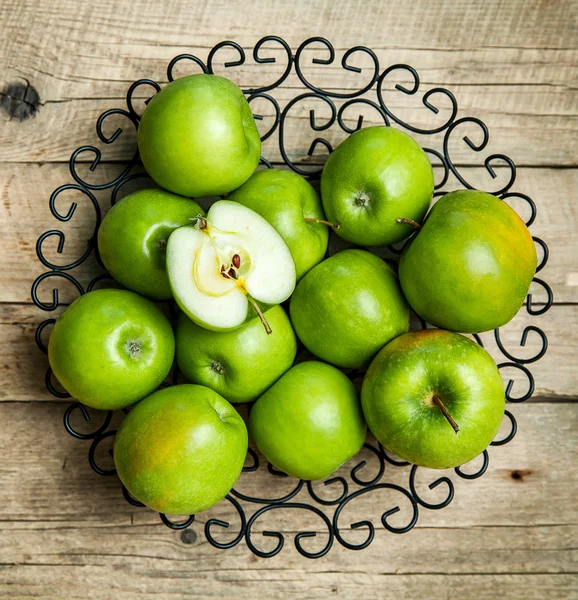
25	190
526	93
67	533
134	583
65	528
105	40
515	69
543	135
47	482
516	24
23	366
21	203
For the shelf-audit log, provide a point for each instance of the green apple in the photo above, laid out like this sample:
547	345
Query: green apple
470	267
133	236
292	206
347	307
434	398
310	422
226	262
375	176
111	348
197	137
240	364
181	449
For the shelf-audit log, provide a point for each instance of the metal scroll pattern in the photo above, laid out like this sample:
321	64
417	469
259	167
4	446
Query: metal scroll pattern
327	110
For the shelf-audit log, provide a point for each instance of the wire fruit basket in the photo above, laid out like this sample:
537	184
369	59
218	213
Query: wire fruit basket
326	112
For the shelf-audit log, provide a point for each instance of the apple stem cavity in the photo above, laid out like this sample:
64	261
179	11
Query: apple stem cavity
323	222
262	318
445	413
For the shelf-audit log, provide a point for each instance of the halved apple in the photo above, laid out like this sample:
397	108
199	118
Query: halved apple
225	261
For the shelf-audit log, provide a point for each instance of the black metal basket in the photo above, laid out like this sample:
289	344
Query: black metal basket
369	96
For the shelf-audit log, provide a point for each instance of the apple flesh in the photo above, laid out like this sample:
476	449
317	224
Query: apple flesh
375	176
181	449
225	262
197	137
434	398
133	236
292	206
111	348
310	422
470	267
240	364
348	307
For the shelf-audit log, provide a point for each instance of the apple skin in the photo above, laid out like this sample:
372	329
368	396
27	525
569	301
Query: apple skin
285	199
239	364
89	354
133	236
181	449
397	393
470	267
373	177
197	137
310	422
348	307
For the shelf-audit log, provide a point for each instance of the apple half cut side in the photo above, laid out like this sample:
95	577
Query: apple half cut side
225	261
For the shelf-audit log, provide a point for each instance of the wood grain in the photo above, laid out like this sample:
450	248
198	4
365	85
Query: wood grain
25	191
62	518
67	533
96	582
61	486
109	42
23	366
527	94
516	127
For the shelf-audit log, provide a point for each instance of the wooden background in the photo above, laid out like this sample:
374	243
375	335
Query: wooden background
66	532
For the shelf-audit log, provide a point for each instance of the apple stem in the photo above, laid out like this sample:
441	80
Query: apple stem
262	318
199	222
446	414
323	222
409	222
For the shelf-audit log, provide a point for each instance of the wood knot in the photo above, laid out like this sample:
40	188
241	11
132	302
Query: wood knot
20	101
188	536
519	474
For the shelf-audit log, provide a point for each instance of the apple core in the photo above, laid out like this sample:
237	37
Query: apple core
226	261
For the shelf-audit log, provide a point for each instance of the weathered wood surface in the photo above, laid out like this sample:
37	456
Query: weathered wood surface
26	190
65	528
67	533
23	366
513	65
